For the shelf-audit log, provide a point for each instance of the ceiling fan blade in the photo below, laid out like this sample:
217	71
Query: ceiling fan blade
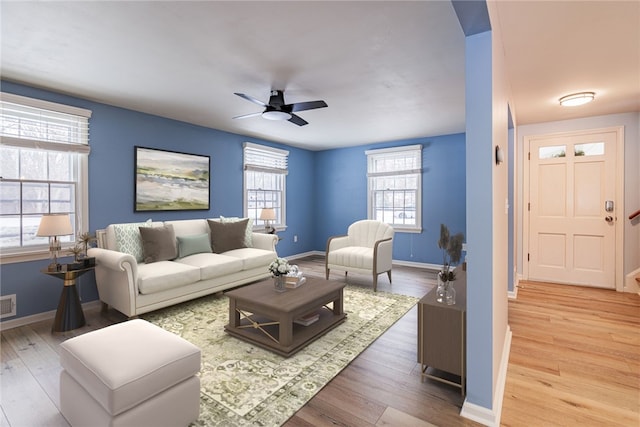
251	99
302	106
245	116
298	120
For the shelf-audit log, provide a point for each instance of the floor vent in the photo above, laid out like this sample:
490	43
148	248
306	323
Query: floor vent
7	306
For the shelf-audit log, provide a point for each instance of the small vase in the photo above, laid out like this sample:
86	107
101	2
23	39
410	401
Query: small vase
278	283
449	293
440	297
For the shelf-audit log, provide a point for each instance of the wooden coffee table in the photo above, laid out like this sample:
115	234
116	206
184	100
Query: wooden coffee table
262	316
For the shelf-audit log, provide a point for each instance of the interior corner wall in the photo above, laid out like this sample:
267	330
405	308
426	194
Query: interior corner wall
341	194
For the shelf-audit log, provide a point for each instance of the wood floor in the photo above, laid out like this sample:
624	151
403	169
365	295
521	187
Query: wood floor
575	360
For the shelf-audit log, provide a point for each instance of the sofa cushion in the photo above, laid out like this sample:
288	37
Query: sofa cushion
163	275
158	243
189	245
253	258
352	256
227	236
127	238
212	265
248	233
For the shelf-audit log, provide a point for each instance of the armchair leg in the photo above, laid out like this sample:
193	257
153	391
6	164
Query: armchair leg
327	273
375	282
389	274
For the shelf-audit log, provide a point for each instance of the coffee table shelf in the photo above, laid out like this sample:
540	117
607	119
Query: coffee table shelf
262	316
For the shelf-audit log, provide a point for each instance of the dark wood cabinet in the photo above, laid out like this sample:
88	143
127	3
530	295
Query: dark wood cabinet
442	336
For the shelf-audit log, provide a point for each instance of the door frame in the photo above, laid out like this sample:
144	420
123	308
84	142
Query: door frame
619	182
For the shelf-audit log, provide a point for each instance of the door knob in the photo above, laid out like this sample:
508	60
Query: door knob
608	218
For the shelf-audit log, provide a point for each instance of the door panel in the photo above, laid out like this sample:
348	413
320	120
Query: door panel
571	241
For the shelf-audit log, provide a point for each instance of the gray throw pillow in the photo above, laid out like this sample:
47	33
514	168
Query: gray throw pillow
158	243
227	236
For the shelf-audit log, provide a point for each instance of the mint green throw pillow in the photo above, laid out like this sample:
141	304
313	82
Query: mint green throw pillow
196	244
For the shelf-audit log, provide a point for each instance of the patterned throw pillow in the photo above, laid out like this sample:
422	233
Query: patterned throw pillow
128	238
248	242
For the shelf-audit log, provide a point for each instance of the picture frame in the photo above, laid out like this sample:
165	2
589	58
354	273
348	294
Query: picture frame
170	180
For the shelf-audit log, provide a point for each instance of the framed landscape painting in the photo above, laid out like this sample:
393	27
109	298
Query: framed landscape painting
170	181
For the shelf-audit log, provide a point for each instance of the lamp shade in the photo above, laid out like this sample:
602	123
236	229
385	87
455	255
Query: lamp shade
54	225
268	214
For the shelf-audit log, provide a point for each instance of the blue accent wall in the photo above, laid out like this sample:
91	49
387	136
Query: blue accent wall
480	338
342	194
326	190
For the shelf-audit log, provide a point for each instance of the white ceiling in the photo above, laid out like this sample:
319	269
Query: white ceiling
388	70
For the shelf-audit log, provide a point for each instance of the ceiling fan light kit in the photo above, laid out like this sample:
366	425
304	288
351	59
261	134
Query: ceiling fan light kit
575	99
276	109
276	115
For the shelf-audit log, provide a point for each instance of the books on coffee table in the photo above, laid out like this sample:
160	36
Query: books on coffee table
308	319
293	282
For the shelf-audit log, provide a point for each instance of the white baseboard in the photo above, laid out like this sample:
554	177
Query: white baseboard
486	416
47	315
424	265
514	293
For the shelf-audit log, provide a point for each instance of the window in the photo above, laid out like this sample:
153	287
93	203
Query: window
265	171
44	150
394	187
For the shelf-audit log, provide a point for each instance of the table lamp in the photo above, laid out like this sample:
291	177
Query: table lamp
52	226
268	215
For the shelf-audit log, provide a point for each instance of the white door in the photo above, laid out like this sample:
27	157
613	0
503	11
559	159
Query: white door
572	209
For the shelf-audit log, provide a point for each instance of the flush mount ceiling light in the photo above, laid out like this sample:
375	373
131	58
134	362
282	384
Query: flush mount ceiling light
576	99
276	115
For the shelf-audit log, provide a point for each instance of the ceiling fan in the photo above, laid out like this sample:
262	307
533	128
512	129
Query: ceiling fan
276	109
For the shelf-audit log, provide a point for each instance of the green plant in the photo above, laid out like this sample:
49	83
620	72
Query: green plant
451	252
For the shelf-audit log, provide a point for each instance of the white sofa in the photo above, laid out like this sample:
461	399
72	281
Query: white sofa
130	285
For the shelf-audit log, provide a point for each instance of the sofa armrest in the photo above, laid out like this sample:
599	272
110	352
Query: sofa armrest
264	241
116	277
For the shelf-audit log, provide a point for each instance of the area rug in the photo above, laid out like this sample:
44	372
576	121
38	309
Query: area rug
245	385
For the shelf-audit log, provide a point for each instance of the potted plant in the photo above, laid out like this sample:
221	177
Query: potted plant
279	268
451	253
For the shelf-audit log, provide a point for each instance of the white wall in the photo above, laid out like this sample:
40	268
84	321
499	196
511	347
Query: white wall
631	123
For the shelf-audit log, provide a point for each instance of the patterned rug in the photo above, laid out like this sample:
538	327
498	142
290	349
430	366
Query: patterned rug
245	385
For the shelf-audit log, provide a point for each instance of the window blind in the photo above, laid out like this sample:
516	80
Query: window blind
394	161
265	159
32	123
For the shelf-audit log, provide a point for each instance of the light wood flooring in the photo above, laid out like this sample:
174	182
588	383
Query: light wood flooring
575	360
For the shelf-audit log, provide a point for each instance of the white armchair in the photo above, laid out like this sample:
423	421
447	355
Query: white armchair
367	248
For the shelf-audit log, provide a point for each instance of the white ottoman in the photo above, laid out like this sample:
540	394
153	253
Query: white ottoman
129	374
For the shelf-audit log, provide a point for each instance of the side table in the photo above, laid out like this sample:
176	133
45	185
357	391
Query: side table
69	314
442	335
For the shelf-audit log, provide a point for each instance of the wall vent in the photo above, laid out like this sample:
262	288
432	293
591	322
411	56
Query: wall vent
7	306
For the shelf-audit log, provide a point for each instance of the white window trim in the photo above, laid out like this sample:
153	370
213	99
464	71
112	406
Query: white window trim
282	225
9	256
402	228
